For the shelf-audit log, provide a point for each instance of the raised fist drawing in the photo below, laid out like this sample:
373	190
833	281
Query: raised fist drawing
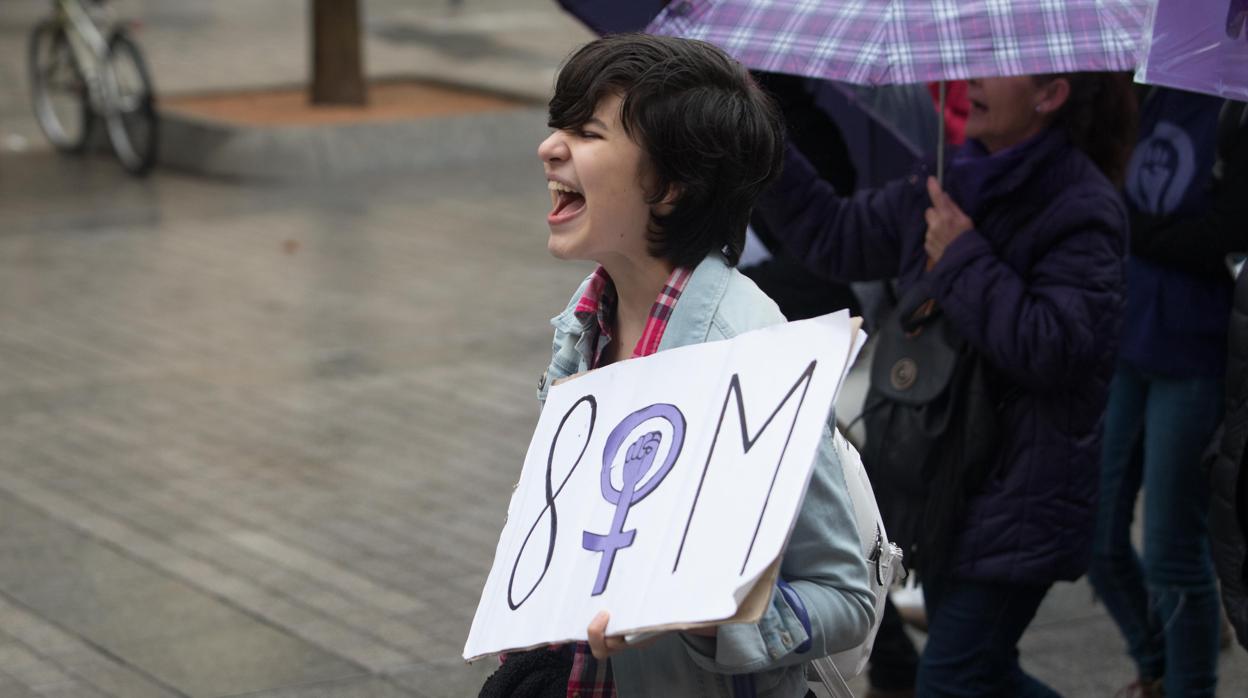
641	455
1156	176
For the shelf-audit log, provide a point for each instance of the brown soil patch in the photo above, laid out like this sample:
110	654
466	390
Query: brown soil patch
388	101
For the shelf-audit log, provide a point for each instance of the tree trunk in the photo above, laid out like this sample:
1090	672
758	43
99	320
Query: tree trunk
337	59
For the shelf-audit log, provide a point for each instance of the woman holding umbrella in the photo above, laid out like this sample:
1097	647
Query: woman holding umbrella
1023	252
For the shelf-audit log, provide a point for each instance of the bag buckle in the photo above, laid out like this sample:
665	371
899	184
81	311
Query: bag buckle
883	556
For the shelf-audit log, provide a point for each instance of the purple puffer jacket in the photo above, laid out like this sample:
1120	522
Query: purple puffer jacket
1046	315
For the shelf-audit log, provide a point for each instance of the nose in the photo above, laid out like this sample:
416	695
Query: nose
554	149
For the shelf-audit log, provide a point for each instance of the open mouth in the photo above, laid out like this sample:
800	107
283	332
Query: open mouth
567	202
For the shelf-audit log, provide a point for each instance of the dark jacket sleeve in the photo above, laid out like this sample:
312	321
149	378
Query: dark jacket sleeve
856	238
1228	506
1047	328
1199	244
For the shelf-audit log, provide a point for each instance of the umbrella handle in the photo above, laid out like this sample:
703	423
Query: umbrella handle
940	139
940	154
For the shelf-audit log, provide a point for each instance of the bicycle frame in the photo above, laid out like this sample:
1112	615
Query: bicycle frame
90	48
110	83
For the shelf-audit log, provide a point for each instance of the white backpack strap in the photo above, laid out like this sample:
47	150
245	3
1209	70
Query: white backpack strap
884	564
830	683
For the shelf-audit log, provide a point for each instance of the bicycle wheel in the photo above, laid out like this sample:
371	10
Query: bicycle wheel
131	119
58	90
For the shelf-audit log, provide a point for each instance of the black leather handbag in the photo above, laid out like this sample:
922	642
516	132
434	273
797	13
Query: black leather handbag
931	424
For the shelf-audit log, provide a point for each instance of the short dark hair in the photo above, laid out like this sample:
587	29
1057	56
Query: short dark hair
705	126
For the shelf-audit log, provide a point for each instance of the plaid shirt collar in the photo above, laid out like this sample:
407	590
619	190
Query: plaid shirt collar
600	301
591	678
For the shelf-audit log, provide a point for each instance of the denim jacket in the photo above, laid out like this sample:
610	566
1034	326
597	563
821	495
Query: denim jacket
826	604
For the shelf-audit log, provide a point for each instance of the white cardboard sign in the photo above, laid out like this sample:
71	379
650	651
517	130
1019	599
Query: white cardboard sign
663	488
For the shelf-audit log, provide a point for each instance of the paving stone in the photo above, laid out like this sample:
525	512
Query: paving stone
30	674
161	624
227	661
12	688
359	687
446	678
110	677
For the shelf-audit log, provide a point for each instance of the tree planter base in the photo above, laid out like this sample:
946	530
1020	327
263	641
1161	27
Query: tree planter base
407	127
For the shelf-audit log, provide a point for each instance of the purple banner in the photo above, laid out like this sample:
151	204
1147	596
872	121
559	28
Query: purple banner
1199	45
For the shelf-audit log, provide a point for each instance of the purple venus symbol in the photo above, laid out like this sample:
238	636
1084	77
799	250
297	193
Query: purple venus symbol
637	462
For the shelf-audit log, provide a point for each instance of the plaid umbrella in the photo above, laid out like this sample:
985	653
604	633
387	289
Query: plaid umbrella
1199	45
903	41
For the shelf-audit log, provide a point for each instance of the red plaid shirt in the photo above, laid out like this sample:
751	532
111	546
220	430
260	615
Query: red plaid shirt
591	678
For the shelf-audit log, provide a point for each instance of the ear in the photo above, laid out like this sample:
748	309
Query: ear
669	199
1053	96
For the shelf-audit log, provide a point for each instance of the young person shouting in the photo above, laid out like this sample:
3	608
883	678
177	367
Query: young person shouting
660	147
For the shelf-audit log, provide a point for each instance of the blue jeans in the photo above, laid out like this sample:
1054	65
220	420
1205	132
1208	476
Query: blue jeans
972	640
1166	606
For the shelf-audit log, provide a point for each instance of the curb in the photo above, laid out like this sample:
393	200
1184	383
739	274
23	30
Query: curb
337	151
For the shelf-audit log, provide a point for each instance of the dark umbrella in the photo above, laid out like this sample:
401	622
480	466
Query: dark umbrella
614	16
881	127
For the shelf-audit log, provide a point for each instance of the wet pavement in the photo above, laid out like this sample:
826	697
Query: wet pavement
259	440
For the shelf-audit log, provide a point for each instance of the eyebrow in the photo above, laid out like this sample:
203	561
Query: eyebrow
595	121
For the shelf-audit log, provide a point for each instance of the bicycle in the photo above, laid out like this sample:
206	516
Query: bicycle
83	66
